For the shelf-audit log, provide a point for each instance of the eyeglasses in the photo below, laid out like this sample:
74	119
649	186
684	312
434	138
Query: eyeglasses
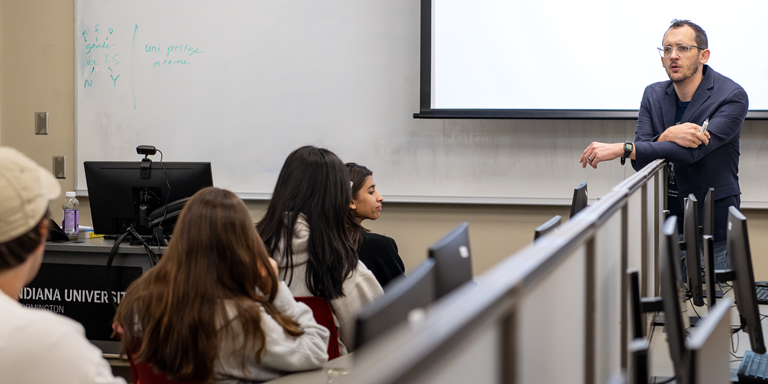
682	50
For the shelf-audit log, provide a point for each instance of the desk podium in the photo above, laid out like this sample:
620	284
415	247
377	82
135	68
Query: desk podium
73	282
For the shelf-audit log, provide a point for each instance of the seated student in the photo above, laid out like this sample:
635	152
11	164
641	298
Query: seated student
377	252
307	212
36	346
213	309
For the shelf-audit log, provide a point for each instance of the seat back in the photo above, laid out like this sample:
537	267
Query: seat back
323	313
144	373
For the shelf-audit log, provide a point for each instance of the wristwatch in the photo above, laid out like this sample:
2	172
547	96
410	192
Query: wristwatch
628	148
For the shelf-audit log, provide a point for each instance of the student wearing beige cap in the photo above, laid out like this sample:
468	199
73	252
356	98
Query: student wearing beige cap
36	346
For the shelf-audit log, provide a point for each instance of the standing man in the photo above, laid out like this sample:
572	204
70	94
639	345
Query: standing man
36	346
669	127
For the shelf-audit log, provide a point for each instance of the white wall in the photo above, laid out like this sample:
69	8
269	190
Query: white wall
37	74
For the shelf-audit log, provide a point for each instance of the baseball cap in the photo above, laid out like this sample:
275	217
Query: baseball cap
26	189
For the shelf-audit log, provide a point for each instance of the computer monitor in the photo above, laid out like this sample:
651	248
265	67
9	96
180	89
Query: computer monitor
453	263
404	295
547	227
117	190
635	303
638	352
740	261
580	199
709	345
708	214
671	304
669	261
710	278
692	255
708	248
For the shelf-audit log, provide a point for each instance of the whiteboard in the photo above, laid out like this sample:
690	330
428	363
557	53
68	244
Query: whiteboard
243	83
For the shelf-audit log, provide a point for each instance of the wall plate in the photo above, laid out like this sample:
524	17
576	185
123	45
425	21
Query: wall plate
60	167
41	123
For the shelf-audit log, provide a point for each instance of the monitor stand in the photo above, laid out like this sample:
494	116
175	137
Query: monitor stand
659	319
718	293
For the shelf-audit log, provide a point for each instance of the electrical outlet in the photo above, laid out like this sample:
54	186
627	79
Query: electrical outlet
41	123
60	167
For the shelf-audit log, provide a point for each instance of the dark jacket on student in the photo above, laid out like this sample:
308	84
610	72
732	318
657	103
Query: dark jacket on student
379	254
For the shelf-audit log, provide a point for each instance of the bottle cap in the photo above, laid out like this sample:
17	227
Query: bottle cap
71	194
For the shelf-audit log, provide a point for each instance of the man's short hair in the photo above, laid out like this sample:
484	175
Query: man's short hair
16	251
701	36
26	190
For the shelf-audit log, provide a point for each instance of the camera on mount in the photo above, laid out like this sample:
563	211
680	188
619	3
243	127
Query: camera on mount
146	162
146	150
147	199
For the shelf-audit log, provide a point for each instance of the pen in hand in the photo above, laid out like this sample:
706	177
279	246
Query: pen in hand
704	126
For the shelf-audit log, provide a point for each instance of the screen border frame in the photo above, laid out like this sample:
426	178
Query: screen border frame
425	94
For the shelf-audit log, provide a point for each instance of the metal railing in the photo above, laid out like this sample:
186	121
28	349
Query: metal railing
553	312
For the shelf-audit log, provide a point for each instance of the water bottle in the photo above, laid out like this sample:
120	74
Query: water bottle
70	221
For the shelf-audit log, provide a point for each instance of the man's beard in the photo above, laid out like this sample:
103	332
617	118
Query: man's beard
693	70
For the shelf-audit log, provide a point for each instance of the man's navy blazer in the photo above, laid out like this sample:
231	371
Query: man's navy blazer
716	165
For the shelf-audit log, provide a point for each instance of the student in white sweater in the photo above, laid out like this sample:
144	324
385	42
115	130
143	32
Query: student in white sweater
213	309
307	211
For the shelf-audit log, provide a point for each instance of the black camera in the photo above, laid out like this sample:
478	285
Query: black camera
146	150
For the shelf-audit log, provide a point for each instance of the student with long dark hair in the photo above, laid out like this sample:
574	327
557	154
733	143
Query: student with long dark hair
377	252
213	309
303	229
